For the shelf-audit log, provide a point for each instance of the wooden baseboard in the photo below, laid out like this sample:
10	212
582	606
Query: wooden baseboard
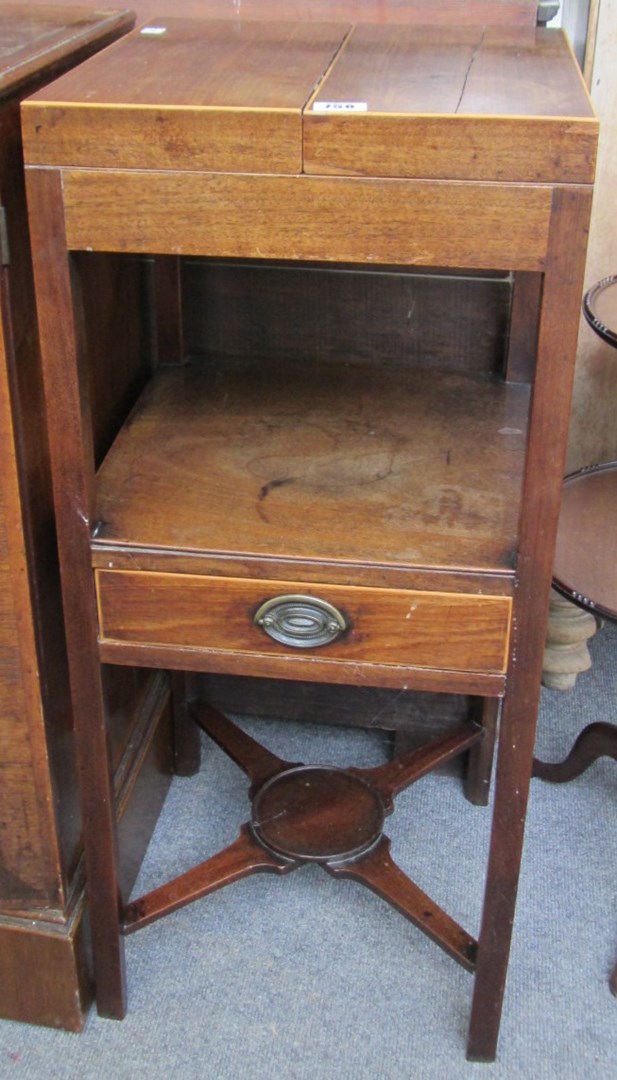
44	964
44	973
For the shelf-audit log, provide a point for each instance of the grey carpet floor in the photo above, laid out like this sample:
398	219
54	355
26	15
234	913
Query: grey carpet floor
305	978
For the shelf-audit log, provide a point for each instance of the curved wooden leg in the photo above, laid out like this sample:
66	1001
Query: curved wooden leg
595	741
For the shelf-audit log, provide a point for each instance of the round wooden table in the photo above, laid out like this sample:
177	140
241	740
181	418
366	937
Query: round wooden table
585	569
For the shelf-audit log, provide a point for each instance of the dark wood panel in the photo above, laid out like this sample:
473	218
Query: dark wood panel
413	718
44	831
40	832
524	326
29	871
43	973
458	324
142	778
113	300
39	38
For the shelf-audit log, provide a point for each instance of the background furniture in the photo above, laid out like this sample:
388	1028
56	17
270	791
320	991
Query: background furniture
418	500
43	970
586	555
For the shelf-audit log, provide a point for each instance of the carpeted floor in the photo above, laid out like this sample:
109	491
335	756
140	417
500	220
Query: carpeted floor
307	978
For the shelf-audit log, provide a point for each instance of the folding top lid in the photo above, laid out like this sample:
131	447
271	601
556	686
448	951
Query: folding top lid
187	94
472	70
35	38
469	103
497	103
209	63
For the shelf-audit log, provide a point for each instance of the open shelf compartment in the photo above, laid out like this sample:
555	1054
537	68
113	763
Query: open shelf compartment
307	460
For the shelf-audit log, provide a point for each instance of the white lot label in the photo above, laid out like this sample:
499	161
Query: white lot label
340	106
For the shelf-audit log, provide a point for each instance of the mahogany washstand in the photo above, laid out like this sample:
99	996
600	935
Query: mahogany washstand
406	493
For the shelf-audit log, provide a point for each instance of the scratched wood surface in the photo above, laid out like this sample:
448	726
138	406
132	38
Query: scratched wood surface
501	103
36	36
473	104
420	469
221	95
324	219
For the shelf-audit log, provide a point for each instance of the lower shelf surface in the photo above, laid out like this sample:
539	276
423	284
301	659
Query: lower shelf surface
320	461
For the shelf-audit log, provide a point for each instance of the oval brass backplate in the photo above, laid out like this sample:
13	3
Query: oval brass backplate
301	621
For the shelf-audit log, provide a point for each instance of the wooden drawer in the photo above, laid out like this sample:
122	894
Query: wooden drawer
450	631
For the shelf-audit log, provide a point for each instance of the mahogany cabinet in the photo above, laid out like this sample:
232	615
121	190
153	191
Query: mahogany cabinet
43	972
335	509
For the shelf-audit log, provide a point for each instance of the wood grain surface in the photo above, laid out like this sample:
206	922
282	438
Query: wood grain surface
477	71
28	850
317	461
477	104
36	37
496	103
451	322
446	12
213	95
386	626
354	220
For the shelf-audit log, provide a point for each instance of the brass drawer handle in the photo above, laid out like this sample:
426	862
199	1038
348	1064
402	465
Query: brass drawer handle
301	621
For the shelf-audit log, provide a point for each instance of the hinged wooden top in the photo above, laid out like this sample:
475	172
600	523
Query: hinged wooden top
497	103
36	38
218	95
481	103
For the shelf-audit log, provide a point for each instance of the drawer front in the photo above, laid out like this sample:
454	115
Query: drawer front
449	631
